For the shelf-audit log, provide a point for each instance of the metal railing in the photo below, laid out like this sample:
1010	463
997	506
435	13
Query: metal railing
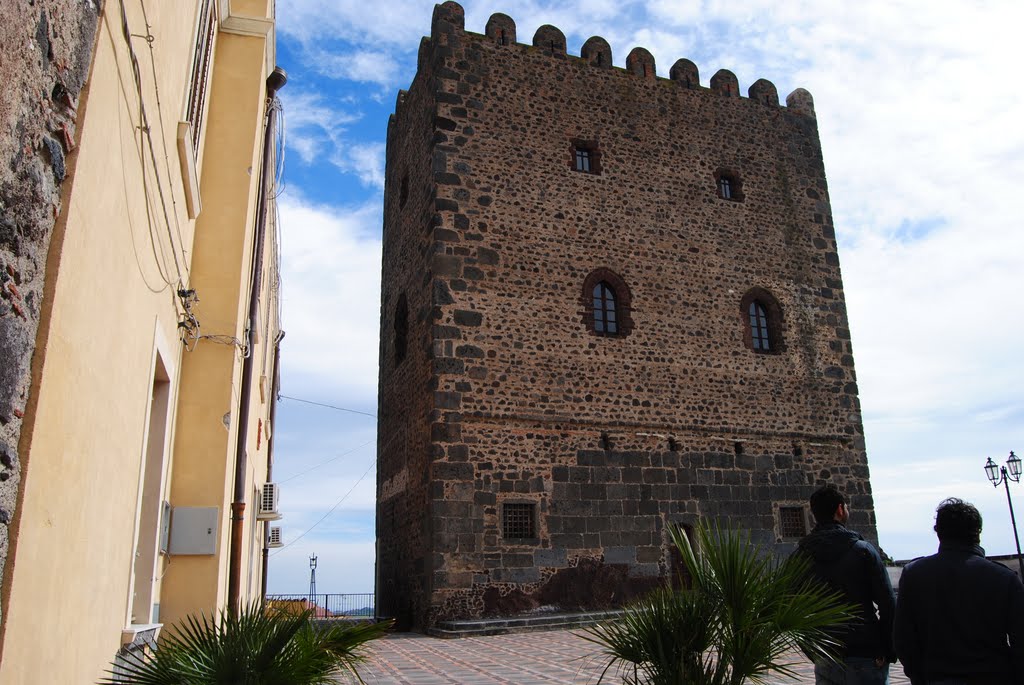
358	606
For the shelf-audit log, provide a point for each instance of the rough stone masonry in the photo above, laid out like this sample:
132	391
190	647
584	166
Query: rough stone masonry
44	64
611	303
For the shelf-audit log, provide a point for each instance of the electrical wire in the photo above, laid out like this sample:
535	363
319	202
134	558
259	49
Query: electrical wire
146	130
266	196
163	137
325	463
329	406
278	185
278	286
131	224
222	340
329	511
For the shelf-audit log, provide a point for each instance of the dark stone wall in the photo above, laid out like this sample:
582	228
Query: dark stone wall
409	299
44	64
611	438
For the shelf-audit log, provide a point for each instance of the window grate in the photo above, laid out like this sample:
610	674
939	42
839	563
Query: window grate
518	520
792	522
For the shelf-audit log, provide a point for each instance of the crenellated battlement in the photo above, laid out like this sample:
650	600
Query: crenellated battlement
501	29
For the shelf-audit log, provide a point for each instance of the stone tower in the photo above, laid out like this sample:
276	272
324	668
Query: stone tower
611	303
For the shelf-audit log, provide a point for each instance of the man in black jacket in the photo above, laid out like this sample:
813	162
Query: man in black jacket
960	618
849	564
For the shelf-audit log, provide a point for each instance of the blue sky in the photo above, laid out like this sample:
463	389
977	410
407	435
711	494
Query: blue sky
920	115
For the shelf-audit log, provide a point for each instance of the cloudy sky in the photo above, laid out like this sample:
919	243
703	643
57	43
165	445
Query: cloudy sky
921	116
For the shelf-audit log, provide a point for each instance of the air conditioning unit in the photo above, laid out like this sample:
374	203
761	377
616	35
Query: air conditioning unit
268	510
274	538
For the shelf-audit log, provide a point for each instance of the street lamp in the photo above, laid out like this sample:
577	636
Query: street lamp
1004	474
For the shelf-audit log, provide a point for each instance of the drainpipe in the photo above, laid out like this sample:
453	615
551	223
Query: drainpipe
275	82
270	454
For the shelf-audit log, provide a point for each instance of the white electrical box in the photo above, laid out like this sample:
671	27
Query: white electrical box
194	530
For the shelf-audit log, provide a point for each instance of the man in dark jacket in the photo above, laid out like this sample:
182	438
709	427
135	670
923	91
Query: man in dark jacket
849	564
960	618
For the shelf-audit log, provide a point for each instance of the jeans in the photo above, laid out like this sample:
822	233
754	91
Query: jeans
853	670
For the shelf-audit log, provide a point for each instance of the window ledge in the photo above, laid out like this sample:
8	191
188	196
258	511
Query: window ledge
189	171
232	21
140	633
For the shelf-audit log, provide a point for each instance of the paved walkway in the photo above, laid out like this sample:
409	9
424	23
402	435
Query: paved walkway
561	657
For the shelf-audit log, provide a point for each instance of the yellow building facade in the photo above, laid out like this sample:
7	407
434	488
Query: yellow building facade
143	425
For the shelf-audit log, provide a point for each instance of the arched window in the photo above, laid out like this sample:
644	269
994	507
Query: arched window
760	340
401	324
606	302
762	319
606	321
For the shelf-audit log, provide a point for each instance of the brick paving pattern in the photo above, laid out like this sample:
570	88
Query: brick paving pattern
521	659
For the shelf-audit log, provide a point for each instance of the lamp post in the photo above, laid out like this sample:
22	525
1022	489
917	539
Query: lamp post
1004	474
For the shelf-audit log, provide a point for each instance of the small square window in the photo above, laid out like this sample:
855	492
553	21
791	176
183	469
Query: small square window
725	188
519	520
585	157
583	160
729	185
792	522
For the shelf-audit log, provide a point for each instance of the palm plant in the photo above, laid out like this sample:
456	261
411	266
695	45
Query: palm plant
256	647
736	619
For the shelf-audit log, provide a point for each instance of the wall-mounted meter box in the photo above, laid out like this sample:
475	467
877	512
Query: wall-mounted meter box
194	530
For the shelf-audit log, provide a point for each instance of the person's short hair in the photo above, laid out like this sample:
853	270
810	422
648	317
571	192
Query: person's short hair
824	503
958	521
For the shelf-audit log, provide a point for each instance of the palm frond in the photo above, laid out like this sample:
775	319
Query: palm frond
741	614
257	646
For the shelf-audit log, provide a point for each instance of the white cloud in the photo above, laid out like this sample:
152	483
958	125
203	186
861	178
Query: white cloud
319	129
365	160
331	294
396	22
360	66
305	109
316	128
